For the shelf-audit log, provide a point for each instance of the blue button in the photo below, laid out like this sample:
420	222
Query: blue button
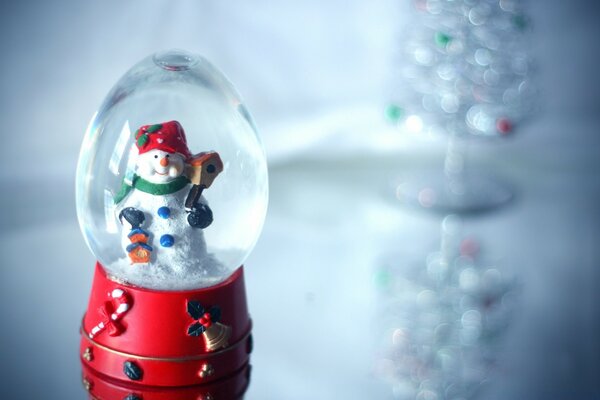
167	240
164	212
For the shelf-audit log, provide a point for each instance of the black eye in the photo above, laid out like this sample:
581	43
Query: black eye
155	156
167	156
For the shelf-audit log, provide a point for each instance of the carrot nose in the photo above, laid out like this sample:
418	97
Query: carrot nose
164	161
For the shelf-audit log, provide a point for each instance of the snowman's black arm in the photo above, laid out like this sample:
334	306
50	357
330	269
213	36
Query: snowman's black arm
201	216
132	215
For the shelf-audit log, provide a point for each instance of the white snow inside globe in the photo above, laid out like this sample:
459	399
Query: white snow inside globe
172	178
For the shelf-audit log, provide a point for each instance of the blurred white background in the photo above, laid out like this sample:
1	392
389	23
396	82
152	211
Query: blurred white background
316	76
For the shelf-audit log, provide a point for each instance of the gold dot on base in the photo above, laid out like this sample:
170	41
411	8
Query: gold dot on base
206	370
87	385
88	354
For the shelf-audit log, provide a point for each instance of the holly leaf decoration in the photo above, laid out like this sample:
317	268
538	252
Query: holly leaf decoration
215	314
196	329
154	128
142	140
195	309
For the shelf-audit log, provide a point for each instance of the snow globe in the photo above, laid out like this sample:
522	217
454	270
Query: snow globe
171	197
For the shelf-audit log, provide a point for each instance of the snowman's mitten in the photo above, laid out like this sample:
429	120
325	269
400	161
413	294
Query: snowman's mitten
132	215
201	216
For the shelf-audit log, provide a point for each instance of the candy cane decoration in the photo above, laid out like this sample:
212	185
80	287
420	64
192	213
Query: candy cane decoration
113	311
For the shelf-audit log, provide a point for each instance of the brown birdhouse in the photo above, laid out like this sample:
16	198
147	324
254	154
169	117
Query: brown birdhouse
204	168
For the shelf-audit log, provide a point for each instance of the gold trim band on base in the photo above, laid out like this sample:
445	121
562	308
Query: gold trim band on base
166	359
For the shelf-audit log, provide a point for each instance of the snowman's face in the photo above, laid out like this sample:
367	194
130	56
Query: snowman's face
159	166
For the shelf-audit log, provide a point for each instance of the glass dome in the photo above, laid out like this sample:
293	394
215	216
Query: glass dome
172	178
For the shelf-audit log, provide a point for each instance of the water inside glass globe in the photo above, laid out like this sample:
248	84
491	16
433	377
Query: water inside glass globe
172	181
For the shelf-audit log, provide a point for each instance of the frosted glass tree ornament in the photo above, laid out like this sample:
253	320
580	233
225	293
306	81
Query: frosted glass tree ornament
172	178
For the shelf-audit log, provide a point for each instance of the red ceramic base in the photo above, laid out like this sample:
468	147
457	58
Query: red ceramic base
163	339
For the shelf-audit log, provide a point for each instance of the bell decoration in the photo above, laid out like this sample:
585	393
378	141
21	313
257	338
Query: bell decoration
216	335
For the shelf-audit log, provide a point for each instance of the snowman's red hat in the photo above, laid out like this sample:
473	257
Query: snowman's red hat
166	136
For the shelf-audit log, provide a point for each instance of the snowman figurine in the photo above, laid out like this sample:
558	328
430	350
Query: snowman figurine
161	236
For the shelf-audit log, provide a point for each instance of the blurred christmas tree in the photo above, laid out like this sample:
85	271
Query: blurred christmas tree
465	68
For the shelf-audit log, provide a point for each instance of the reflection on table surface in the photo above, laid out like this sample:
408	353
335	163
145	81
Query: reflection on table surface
102	388
314	283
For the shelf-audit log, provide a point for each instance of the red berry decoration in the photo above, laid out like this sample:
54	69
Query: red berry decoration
206	320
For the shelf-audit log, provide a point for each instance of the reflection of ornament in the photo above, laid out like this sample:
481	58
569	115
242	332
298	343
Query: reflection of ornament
216	335
231	386
445	320
112	312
